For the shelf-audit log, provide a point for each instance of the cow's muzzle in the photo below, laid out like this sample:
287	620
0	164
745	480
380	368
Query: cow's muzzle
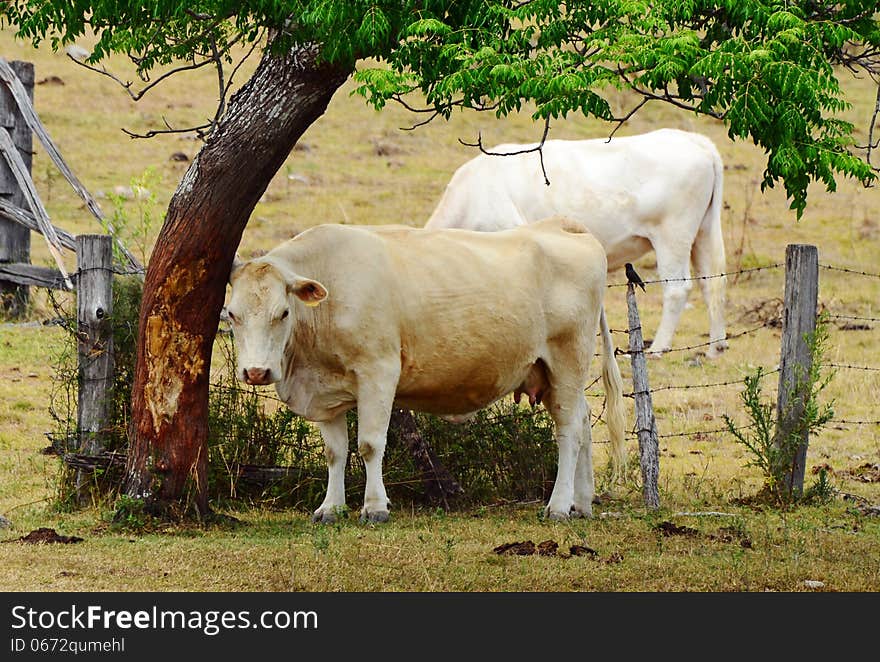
257	376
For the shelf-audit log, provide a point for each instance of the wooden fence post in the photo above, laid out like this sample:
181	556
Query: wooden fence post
94	310
15	239
646	425
798	320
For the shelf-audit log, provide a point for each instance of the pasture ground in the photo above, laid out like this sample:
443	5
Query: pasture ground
355	166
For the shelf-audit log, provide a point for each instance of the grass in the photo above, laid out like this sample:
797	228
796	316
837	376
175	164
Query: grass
355	166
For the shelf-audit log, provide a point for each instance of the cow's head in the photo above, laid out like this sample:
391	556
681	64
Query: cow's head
263	305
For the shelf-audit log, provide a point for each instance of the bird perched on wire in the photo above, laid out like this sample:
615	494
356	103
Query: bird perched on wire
633	277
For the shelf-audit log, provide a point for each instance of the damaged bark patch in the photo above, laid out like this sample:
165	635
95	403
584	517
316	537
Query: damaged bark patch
173	358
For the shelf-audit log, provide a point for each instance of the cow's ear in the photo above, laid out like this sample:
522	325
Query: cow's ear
236	263
310	292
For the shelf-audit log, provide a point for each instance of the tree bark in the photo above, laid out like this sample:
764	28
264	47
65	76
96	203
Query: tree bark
186	278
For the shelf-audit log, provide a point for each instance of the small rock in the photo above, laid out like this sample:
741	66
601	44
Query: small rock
4	523
302	179
179	156
812	583
131	192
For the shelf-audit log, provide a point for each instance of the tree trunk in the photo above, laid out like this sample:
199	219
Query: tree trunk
187	274
440	486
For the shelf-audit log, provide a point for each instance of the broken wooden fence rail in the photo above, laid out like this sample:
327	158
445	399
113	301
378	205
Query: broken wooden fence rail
15	237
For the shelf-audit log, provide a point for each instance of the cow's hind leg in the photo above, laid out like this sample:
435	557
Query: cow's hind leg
584	482
568	409
673	268
335	436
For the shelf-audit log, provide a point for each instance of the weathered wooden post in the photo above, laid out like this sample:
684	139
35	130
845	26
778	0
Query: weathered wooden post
646	425
15	239
798	321
94	310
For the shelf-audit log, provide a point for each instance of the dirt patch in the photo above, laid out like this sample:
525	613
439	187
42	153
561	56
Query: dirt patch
865	473
44	535
768	311
730	534
667	528
551	548
581	550
524	548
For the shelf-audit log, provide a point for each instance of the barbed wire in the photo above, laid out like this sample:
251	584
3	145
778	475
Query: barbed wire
769	322
853	317
635	433
845	366
706	277
673	387
844	421
847	270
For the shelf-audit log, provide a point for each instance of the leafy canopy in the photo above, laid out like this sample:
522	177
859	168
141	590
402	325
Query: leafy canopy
767	68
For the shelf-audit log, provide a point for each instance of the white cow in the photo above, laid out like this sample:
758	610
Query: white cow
660	190
443	321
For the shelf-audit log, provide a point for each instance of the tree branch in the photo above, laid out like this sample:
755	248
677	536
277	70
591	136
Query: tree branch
137	96
621	121
537	148
201	130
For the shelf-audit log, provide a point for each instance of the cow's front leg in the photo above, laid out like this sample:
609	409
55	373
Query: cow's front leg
335	436
374	415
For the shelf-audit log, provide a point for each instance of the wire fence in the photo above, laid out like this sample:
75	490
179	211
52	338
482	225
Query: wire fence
710	430
844	320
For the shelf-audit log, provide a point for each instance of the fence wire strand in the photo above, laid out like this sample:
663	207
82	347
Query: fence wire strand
706	277
847	270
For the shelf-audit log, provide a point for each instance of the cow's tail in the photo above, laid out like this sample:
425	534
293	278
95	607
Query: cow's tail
614	412
708	258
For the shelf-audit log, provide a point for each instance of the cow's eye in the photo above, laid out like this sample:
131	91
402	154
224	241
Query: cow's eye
232	318
285	314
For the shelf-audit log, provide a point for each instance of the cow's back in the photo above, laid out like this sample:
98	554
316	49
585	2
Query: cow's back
618	189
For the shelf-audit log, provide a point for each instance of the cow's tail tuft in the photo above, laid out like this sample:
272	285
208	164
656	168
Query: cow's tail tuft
614	411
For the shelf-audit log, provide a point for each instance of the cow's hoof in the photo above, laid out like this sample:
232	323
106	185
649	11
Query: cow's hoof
375	516
581	513
555	516
327	515
715	351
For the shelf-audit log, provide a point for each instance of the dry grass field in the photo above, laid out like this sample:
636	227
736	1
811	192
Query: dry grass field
357	166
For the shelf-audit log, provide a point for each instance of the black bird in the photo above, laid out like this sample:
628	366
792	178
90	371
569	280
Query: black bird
633	277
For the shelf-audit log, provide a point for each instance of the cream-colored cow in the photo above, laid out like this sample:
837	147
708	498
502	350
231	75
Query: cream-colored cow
660	190
444	321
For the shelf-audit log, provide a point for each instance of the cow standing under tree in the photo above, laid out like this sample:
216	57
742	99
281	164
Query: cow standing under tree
445	322
660	190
